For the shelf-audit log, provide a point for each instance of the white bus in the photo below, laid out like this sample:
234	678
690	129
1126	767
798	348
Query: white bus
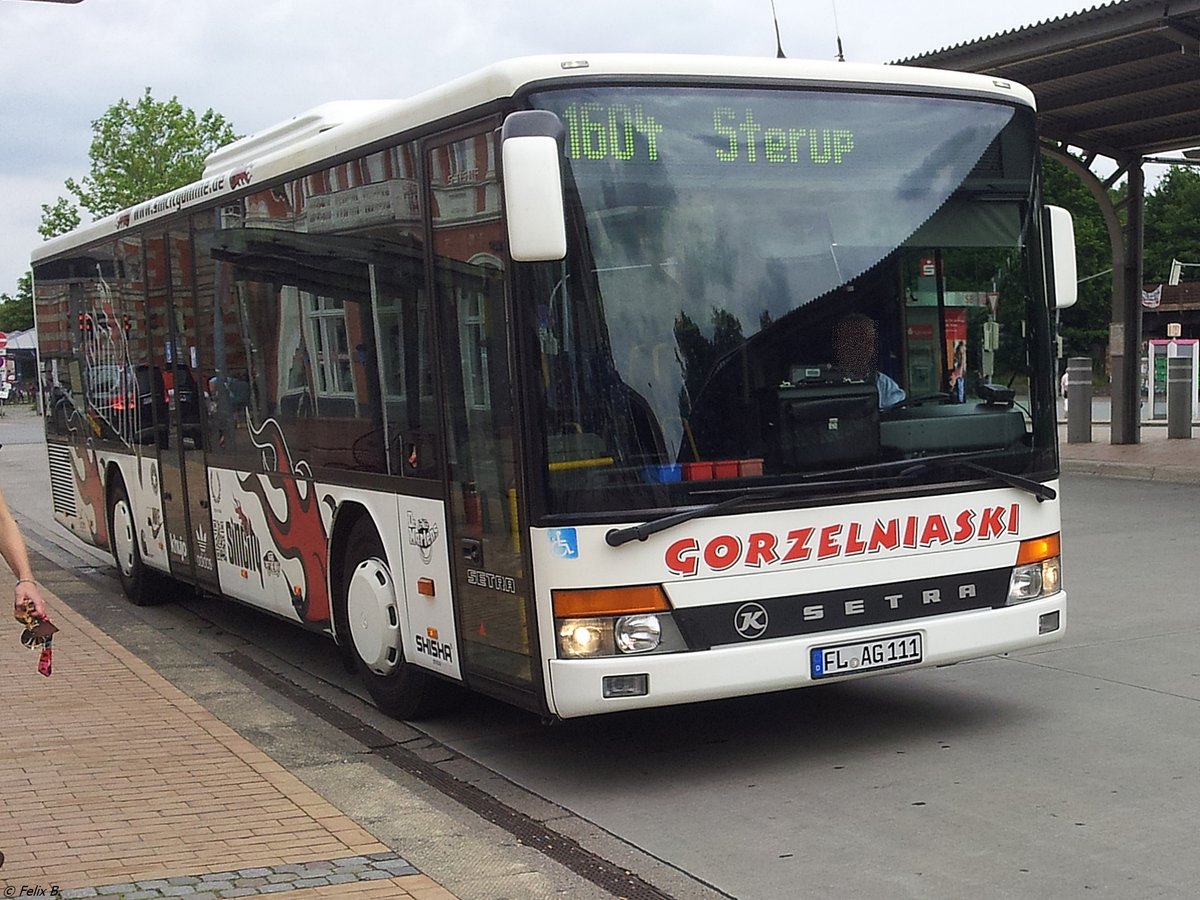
588	383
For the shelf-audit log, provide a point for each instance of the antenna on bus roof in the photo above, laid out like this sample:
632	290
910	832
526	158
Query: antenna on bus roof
779	54
837	30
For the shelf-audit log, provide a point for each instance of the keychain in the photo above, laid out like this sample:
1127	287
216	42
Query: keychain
38	634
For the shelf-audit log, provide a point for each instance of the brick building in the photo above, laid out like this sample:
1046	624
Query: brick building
1179	303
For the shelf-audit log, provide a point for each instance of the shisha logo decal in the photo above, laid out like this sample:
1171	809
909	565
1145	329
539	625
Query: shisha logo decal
422	535
241	546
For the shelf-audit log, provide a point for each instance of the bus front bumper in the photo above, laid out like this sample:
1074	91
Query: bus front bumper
577	686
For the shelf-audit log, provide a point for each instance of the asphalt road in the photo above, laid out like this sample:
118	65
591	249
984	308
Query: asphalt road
1068	772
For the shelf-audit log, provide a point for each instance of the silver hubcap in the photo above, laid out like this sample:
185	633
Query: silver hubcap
123	538
373	616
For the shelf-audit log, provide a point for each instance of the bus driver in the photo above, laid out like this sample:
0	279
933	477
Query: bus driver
855	352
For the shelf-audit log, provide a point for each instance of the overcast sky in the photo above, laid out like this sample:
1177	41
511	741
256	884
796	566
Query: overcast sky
258	62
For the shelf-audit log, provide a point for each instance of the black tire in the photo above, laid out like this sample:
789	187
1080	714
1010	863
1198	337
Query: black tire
398	688
142	586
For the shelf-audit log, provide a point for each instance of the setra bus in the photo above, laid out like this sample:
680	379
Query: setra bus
587	383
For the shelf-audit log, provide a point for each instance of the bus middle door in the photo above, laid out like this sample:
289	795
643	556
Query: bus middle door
179	399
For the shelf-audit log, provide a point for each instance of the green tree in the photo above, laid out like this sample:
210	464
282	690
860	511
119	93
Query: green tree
58	218
1172	224
1084	327
138	151
16	313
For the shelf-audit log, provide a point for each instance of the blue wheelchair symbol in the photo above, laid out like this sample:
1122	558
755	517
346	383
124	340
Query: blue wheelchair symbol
564	543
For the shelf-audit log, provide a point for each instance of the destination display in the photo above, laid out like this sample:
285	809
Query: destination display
625	132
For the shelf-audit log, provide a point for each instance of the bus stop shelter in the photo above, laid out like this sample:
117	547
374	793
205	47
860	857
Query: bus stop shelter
1120	81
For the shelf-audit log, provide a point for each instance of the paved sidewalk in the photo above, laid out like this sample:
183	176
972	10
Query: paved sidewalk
1155	458
116	784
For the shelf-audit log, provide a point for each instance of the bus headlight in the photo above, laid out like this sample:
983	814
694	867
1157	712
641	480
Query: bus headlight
1038	572
583	638
598	622
638	634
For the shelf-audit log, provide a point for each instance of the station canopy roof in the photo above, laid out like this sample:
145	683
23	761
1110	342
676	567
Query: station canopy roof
1120	80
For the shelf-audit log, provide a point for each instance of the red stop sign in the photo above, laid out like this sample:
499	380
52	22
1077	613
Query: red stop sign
3	340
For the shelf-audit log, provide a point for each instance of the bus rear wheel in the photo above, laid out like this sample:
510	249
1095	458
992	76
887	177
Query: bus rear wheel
370	602
142	586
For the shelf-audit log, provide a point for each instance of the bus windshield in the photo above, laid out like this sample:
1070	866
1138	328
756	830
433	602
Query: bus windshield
764	285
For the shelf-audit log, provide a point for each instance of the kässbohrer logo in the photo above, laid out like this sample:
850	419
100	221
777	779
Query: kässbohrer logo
750	620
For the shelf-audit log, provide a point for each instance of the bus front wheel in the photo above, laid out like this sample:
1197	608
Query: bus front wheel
371	605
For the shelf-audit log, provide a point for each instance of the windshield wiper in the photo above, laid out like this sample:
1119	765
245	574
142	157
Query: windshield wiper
618	536
917	463
1041	491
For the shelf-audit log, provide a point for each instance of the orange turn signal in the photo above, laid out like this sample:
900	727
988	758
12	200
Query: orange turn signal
616	601
1038	549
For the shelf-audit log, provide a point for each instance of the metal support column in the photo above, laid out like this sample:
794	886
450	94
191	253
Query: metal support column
1125	332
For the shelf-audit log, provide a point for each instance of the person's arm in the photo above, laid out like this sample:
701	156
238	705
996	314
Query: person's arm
890	393
12	547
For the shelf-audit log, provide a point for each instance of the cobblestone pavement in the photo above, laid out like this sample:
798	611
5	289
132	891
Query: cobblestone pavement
343	874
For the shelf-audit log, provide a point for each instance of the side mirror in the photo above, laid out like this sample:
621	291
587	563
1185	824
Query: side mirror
531	144
1061	247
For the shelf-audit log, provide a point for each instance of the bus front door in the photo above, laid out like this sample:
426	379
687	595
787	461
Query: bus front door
491	584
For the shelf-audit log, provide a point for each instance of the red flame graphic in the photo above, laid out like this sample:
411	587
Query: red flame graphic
90	487
300	534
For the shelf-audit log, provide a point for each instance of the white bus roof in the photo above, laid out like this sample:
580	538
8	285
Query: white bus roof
335	129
